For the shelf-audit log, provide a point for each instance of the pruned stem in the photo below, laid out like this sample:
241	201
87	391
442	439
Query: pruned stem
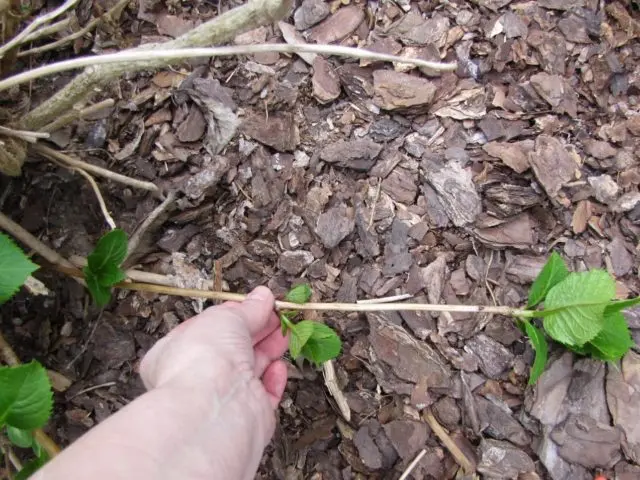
11	359
135	239
115	10
48	30
216	31
31	137
75	114
103	172
41	20
96	190
137	60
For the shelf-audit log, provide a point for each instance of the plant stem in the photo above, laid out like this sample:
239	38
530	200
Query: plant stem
333	307
133	57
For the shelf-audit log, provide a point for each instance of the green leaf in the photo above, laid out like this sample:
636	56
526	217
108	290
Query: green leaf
29	468
536	337
323	345
101	294
613	341
285	323
25	396
620	305
300	334
20	438
553	272
574	308
111	249
15	267
299	294
110	275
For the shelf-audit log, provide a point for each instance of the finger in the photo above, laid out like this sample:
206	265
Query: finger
275	381
272	324
255	311
268	350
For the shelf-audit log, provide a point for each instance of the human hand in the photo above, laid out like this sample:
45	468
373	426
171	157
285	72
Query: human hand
233	352
214	383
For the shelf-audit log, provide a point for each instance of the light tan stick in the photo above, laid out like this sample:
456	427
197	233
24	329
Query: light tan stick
41	20
216	31
96	190
103	172
413	465
140	60
75	114
135	239
115	10
331	381
11	359
448	442
31	137
48	30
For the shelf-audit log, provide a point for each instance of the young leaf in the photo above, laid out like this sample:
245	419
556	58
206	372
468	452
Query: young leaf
300	334
101	294
285	323
20	438
553	272
574	308
299	294
25	396
15	267
613	341
323	345
536	337
29	468
620	305
111	249
110	275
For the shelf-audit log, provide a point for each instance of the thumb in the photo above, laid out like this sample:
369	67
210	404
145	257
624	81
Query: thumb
256	309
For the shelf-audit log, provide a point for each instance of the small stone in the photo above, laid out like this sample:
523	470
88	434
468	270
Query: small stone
325	81
499	424
621	260
552	164
367	448
338	26
407	437
310	13
495	359
112	345
627	202
604	188
335	225
447	412
357	154
395	90
599	149
502	460
278	131
401	186
294	262
515	155
459	282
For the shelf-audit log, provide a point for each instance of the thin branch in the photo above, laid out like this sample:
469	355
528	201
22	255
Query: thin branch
135	239
11	359
96	190
413	465
115	10
27	136
141	58
394	298
75	114
48	30
103	172
331	381
448	442
41	20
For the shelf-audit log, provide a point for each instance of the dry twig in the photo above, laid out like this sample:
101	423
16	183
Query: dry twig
135	239
103	172
113	11
75	114
31	137
331	381
413	465
96	190
49	29
140	60
448	442
41	20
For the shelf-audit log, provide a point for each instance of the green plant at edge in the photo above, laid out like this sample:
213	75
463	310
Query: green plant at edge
103	265
26	398
314	341
578	312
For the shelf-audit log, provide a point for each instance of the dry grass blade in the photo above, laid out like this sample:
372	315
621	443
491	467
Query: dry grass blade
448	442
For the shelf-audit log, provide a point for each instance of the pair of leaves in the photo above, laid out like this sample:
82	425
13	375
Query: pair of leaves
103	265
579	313
26	399
312	340
15	267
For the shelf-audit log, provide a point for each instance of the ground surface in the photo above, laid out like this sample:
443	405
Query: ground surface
368	182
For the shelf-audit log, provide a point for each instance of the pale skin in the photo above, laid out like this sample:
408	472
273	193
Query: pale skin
213	384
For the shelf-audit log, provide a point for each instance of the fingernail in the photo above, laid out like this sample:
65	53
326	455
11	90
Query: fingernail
259	293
